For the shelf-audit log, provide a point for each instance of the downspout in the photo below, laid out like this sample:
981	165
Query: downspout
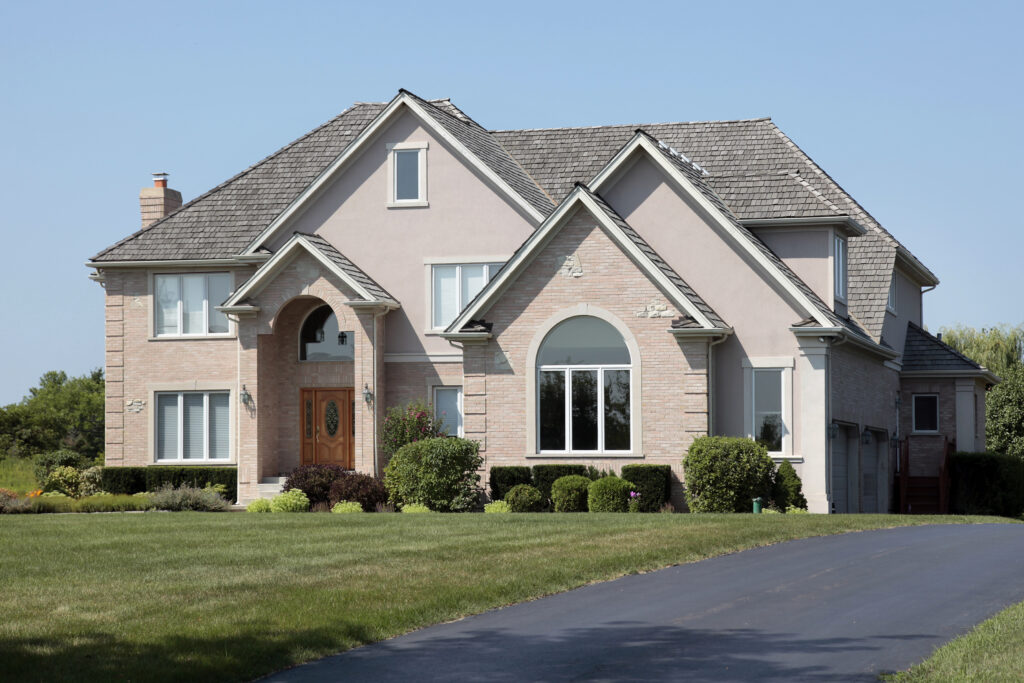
711	384
833	342
376	397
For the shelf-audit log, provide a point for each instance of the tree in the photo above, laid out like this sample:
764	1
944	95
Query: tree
997	348
1001	350
61	413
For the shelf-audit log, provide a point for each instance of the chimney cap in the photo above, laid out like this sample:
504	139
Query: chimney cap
160	179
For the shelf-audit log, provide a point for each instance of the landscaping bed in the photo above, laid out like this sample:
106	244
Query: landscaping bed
232	597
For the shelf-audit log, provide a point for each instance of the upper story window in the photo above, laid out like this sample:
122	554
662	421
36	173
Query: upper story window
407	174
890	305
584	385
840	268
186	304
926	413
321	339
454	286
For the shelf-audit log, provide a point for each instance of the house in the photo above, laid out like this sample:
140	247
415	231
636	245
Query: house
600	295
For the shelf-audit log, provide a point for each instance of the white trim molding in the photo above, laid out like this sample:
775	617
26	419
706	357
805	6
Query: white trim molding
392	185
784	364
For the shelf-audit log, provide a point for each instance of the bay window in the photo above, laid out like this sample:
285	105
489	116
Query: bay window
186	304
584	389
193	426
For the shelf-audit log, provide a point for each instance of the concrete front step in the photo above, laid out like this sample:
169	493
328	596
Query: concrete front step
270	486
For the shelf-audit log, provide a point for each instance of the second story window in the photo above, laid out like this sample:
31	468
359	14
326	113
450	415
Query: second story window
840	268
454	286
407	174
186	304
890	305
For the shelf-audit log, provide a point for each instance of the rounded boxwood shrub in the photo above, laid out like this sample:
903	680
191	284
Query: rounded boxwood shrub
415	509
546	475
63	479
725	474
315	481
407	424
652	482
292	500
569	494
504	478
345	507
439	473
788	492
609	494
259	505
359	488
524	498
497	507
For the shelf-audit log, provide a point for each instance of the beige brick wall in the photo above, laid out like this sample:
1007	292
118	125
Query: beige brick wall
926	452
673	386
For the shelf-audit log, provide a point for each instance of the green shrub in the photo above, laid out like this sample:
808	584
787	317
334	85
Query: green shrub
652	482
54	504
123	479
609	494
407	424
45	462
157	477
63	479
184	497
415	509
986	484
292	500
497	507
593	473
504	478
788	491
105	502
524	498
794	510
258	505
569	493
346	507
359	488
315	481
545	475
724	474
439	473
91	481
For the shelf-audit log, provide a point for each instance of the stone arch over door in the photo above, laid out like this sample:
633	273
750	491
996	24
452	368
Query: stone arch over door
583	310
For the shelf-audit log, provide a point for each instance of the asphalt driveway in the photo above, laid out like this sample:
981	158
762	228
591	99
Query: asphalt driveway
835	608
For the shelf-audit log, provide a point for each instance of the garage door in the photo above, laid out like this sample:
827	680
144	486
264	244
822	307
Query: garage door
840	478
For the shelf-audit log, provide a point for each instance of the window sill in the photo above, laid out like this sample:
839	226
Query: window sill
917	433
584	454
193	337
410	204
215	463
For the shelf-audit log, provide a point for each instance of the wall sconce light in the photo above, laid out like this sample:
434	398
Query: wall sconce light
342	338
367	395
833	430
246	397
865	437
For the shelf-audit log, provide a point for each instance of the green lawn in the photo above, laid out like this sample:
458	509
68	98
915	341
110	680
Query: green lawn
16	475
231	596
992	651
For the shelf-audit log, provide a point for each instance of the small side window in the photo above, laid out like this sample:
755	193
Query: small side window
840	268
926	413
448	408
890	305
407	174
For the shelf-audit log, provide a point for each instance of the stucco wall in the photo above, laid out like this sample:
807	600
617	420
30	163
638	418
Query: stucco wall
908	309
807	252
467	220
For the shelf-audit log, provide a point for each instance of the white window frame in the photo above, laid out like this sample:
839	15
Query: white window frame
890	303
840	268
913	414
462	414
567	381
392	186
180	459
208	307
491	269
783	364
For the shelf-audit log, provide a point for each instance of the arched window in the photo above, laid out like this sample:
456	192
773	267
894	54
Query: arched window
321	339
583	388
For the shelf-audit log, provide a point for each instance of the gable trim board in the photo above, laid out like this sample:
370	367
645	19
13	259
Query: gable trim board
580	195
403	99
266	273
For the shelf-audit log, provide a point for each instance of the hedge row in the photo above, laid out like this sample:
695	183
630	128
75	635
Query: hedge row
140	479
654	482
986	484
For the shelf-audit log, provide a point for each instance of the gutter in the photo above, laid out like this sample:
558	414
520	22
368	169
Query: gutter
853	228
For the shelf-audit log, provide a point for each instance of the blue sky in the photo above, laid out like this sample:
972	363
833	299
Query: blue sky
915	108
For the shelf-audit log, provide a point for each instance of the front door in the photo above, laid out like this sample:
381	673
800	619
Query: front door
328	427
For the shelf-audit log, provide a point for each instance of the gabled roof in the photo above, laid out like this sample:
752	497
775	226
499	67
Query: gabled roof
470	320
926	353
323	251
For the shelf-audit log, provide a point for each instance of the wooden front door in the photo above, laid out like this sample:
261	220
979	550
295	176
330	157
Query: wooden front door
328	427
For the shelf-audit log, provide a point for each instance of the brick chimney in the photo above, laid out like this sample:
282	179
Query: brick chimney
158	201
